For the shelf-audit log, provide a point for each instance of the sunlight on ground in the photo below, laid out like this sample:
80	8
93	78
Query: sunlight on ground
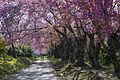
39	70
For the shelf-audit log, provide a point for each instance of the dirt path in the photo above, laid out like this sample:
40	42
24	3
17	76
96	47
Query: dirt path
40	70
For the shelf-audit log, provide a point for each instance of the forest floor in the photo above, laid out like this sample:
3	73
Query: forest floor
69	72
39	70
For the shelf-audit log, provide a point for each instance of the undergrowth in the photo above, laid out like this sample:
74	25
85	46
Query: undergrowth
13	65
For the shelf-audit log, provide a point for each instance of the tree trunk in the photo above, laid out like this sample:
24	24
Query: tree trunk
93	52
115	62
113	44
13	50
80	45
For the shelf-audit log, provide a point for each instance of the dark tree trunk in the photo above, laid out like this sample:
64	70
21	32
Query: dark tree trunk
63	49
113	44
13	50
70	50
80	45
93	52
115	62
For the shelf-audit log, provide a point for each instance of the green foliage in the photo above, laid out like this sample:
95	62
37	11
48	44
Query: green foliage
10	67
13	66
104	58
21	52
24	60
2	49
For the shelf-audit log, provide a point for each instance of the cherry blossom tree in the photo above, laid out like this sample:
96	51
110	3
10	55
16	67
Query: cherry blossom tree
70	28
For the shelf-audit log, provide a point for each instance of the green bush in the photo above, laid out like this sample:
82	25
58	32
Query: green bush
3	50
13	66
104	58
10	67
21	52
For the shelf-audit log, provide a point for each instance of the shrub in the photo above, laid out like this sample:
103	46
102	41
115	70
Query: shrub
3	50
21	52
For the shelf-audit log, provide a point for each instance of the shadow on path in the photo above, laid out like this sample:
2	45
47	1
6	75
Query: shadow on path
39	70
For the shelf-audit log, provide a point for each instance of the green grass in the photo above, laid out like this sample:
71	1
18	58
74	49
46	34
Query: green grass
13	65
54	60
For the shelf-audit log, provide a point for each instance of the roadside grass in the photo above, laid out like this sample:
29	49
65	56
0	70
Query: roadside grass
54	60
14	65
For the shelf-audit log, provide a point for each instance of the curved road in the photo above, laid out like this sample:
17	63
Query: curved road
39	70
